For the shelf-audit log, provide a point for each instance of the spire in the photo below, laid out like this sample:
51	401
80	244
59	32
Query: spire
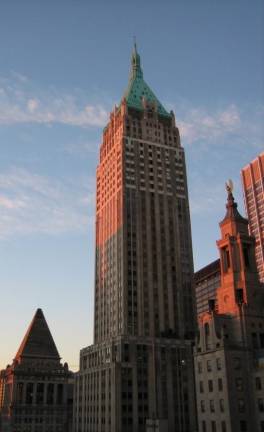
38	341
138	90
135	71
232	214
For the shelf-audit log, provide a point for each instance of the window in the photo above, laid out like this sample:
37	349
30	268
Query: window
203	426
237	363
210	385
223	426
254	340
239	384
262	426
212	408
209	365
20	387
241	405
200	367
207	335
29	393
202	406
201	387
221	405
258	383
226	259
213	426
218	363
243	426
261	405
60	394
40	393
50	393
220	384
246	256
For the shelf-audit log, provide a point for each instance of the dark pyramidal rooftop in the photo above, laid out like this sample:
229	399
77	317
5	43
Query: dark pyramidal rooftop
38	341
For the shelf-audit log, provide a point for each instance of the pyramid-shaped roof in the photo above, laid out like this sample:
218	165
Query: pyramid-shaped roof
138	89
38	341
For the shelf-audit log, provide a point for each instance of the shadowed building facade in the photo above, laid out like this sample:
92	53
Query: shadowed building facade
229	354
138	374
253	186
206	281
36	391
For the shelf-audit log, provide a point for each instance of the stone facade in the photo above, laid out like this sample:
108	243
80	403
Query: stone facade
139	372
128	379
229	354
36	391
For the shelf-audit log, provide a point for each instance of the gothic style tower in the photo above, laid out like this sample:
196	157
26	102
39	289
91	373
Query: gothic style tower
229	354
144	313
143	237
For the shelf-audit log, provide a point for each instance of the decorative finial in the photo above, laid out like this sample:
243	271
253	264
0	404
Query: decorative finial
229	186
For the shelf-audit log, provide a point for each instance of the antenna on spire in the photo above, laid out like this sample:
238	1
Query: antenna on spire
135	43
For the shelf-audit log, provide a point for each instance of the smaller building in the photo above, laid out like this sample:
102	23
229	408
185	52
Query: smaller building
206	281
229	352
36	390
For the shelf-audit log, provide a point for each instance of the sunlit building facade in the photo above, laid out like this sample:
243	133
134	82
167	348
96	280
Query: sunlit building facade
253	186
139	373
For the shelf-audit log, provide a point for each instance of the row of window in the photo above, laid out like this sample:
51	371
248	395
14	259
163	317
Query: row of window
212	427
209	363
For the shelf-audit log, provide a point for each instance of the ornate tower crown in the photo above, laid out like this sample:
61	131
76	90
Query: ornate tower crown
138	93
232	214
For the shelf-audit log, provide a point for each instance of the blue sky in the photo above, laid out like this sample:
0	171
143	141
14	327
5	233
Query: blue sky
63	66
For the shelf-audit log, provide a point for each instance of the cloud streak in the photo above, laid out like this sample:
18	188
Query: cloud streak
198	124
21	103
229	125
31	203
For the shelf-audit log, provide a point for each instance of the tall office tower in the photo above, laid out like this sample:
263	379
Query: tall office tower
253	185
138	374
229	354
36	390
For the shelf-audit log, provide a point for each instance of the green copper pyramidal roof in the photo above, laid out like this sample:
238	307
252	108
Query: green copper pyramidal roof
138	89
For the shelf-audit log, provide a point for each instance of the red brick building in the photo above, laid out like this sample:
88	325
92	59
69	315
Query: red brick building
252	177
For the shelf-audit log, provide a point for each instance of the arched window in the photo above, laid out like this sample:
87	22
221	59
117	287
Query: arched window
207	335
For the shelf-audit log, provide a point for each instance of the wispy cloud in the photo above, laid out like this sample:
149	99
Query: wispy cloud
199	124
31	203
22	102
219	126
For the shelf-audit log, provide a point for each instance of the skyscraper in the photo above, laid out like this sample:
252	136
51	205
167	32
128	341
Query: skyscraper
138	374
253	186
